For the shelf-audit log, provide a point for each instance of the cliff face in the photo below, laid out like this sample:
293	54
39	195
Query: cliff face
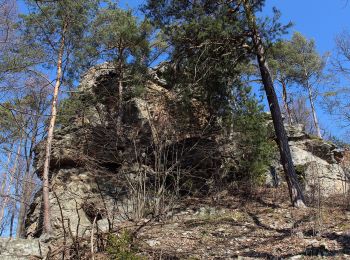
101	177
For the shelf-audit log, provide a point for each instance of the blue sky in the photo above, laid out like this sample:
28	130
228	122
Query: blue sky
316	19
321	21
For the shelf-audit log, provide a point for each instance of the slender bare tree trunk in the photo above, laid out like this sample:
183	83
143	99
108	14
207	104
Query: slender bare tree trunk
3	182
27	184
120	106
46	183
92	239
3	187
27	181
285	101
14	202
13	213
120	88
12	177
295	191
23	204
317	126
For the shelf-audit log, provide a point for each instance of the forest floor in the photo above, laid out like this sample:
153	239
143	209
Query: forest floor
259	225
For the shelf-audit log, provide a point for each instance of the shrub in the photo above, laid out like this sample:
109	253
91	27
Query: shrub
255	146
121	247
73	107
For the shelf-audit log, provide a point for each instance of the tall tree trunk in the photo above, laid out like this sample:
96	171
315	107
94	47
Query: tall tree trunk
120	68
3	182
27	184
120	106
317	126
46	183
14	202
24	200
3	186
295	191
285	101
12	177
13	213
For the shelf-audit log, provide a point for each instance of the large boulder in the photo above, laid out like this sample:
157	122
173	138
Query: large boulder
317	163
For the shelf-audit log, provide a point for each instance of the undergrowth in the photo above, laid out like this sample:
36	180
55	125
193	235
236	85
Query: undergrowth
121	247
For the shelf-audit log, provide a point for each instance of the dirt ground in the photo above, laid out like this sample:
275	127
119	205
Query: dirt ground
250	226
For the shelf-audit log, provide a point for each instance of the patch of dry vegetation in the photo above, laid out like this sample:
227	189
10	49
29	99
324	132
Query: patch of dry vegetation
245	226
259	226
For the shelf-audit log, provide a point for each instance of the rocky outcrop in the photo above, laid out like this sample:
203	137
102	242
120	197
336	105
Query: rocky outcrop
318	163
97	172
99	175
22	249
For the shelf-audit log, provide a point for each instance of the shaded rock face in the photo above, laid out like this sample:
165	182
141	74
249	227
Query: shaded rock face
345	160
97	174
77	197
21	249
318	164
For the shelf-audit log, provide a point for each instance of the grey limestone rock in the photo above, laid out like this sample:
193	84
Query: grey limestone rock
22	249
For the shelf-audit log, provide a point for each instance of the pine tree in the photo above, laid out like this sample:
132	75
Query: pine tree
280	64
57	27
218	38
207	49
117	37
297	61
295	192
308	70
